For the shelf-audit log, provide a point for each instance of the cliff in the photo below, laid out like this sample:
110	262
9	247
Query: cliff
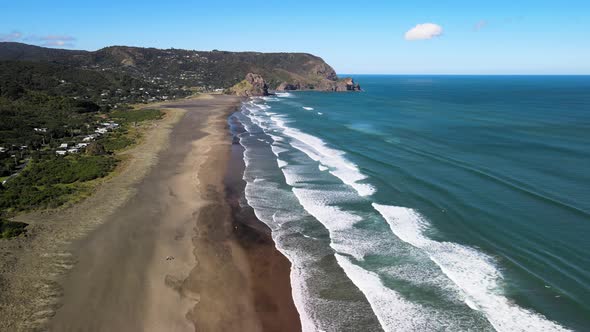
252	85
186	69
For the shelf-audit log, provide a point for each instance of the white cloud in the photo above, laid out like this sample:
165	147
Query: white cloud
424	31
52	40
9	37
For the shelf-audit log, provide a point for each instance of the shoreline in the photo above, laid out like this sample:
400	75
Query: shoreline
271	269
161	245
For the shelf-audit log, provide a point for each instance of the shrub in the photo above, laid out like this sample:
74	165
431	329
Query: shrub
132	116
49	183
10	229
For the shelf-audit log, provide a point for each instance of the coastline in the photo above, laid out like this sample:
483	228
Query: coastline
271	270
161	245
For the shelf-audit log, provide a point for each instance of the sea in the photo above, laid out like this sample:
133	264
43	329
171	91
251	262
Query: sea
428	203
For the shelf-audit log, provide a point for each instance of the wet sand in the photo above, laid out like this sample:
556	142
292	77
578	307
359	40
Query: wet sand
179	254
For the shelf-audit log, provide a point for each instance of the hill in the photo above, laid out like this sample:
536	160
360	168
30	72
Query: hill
184	69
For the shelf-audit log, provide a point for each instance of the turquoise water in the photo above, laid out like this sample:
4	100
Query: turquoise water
429	203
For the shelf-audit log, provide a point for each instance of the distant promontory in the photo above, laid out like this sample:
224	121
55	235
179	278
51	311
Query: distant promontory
179	72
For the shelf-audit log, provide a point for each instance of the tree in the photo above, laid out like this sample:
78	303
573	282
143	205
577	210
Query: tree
95	149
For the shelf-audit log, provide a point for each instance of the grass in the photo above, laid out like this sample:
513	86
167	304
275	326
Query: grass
10	229
134	116
53	182
119	140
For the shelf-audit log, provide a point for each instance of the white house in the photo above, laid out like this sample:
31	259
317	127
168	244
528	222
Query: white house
40	130
101	131
89	138
61	152
2	149
63	146
73	150
81	145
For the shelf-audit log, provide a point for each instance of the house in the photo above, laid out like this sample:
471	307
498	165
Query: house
3	149
89	138
63	146
81	145
101	131
61	152
73	150
40	130
110	125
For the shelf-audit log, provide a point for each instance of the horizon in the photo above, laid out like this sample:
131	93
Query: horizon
339	74
456	38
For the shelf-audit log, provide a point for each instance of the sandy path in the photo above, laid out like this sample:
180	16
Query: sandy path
31	268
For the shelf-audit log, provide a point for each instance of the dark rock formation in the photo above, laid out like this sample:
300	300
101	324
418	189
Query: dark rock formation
252	85
345	84
288	86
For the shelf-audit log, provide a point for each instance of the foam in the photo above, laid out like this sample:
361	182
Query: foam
307	108
284	95
315	202
281	163
322	167
472	271
317	150
392	310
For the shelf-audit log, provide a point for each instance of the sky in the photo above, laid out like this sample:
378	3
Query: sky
355	37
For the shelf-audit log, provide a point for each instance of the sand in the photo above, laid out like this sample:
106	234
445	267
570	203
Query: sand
163	246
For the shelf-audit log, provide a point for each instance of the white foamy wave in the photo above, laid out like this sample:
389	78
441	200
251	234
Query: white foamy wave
284	94
321	205
316	203
392	310
472	271
322	167
307	108
320	113
277	149
317	150
281	163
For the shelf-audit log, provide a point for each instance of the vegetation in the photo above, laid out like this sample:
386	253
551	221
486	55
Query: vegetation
134	116
10	229
56	101
180	70
51	182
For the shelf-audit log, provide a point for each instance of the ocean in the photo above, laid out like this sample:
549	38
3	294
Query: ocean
429	203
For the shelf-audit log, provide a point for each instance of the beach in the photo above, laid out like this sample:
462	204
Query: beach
160	246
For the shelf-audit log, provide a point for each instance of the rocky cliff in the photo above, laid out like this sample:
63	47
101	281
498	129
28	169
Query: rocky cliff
189	69
252	85
338	85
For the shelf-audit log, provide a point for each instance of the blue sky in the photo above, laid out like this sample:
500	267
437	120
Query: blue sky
476	37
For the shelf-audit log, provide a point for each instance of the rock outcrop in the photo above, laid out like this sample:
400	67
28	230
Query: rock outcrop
345	84
253	85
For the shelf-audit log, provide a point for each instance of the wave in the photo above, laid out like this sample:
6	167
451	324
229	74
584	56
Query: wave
393	311
307	108
318	150
472	271
284	95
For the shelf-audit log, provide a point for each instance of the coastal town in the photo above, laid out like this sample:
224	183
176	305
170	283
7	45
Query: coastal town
21	154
